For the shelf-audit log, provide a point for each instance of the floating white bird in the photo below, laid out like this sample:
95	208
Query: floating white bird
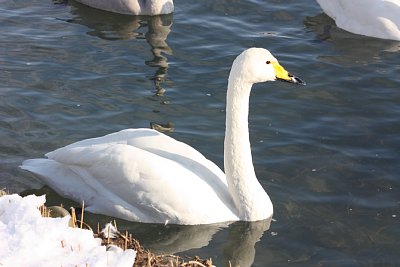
146	176
133	7
376	18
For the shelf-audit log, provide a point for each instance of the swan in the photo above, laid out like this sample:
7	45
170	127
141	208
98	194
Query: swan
146	176
375	18
132	7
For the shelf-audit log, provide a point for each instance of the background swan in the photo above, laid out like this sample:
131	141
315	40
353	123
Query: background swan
376	18
133	7
143	175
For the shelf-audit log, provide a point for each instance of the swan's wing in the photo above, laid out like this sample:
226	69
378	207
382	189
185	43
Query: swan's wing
137	180
147	140
147	176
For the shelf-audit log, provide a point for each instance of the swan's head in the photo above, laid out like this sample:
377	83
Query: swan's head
256	65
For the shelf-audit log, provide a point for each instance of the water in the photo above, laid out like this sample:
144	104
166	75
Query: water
327	153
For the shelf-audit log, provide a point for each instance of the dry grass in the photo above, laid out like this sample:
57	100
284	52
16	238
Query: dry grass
144	258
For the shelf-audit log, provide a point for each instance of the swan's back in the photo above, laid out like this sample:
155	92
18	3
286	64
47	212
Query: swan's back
146	139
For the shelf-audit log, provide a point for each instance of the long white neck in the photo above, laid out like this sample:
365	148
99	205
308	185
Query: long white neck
249	197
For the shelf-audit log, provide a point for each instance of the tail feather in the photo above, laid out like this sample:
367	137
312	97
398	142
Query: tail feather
59	177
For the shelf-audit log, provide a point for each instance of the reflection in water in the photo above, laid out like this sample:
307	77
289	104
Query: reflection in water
179	238
110	26
368	49
238	248
242	237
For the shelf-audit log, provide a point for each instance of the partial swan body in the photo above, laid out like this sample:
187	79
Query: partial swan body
146	176
133	7
375	18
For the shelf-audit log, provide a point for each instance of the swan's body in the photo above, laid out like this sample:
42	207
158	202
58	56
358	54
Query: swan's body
143	175
133	7
376	18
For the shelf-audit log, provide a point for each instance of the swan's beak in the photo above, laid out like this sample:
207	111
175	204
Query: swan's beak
282	75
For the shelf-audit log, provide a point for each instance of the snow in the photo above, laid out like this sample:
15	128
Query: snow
28	239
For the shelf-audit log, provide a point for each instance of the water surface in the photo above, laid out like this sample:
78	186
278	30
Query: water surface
327	153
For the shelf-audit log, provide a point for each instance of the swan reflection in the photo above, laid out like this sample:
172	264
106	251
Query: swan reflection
354	49
237	246
242	237
110	26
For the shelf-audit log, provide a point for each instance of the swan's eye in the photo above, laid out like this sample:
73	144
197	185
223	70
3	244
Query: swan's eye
268	62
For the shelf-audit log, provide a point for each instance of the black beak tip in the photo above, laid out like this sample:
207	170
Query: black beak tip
299	81
293	79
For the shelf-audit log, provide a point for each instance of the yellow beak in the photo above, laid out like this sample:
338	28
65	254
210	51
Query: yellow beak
282	75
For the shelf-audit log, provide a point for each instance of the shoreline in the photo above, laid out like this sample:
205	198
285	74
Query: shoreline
114	239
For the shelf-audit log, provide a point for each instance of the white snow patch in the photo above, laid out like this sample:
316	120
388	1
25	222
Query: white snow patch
28	239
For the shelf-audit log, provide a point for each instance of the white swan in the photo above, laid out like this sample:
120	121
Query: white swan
143	175
133	7
376	18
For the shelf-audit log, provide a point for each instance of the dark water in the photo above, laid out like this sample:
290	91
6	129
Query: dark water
327	153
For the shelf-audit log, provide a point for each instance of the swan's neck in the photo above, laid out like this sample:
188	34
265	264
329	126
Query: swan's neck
249	197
